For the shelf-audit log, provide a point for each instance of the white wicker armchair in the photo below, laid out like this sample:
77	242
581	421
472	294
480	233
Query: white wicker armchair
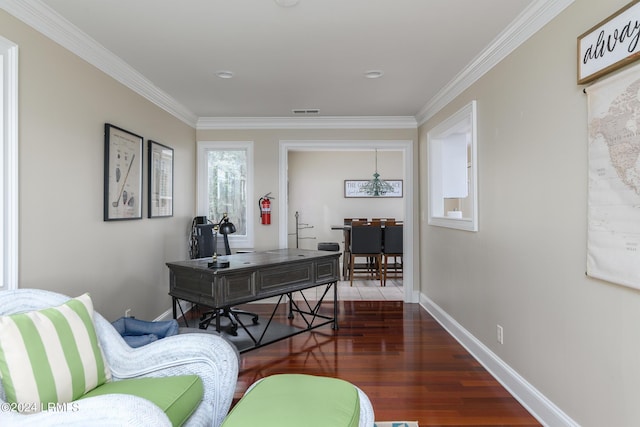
206	355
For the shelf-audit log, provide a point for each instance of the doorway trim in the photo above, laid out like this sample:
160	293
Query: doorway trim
411	295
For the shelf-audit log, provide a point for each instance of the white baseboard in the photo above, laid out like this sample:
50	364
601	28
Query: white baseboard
168	314
535	402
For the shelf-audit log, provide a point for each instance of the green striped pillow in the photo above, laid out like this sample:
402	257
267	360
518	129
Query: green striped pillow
51	355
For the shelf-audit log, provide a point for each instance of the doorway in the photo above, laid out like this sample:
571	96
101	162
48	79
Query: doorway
403	146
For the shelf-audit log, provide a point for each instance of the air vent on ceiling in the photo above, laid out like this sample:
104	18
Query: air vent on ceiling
299	111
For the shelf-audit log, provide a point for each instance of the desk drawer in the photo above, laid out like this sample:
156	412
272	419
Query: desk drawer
327	271
274	279
238	288
193	286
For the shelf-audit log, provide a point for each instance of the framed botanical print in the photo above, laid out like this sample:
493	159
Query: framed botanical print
160	180
122	174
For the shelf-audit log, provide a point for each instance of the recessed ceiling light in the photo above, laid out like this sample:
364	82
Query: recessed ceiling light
373	74
223	74
287	3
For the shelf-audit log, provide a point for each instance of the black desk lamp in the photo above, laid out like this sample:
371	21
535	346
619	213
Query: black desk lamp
225	228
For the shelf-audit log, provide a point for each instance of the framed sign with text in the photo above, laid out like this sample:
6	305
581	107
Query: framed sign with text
353	188
610	45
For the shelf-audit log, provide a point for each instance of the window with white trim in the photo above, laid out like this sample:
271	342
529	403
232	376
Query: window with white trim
453	171
225	184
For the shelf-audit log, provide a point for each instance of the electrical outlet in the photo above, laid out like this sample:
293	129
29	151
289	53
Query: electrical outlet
500	334
127	312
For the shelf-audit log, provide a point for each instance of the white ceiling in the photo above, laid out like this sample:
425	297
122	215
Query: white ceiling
310	56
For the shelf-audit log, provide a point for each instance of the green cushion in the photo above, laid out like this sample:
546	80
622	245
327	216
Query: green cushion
177	396
293	400
51	355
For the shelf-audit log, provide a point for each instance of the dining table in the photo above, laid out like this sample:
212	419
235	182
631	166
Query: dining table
346	253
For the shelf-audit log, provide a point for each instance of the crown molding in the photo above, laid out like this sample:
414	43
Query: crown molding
45	20
530	21
368	122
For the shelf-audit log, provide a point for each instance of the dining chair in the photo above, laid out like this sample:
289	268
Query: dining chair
346	256
366	242
384	220
348	221
392	247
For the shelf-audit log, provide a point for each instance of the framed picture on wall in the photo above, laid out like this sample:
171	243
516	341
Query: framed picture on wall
160	180
609	45
354	188
122	174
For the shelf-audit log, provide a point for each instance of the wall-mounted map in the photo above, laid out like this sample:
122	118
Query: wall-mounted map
613	241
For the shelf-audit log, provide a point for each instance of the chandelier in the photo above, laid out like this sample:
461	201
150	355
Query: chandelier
376	187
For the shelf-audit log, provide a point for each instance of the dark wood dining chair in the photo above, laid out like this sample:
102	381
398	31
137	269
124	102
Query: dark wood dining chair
392	248
366	242
346	256
384	221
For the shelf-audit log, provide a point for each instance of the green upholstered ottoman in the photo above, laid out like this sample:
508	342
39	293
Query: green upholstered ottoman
289	400
178	396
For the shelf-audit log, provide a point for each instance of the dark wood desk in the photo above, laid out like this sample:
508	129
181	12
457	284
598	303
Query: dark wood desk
255	276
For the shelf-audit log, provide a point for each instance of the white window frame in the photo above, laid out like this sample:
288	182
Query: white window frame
9	164
449	131
202	202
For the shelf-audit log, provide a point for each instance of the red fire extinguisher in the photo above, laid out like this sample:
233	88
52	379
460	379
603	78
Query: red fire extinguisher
265	209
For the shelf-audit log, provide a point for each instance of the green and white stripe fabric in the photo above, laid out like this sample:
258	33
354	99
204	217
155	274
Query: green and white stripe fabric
51	355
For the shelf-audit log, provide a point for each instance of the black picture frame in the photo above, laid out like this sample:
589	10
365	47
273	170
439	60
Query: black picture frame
122	174
160	166
352	188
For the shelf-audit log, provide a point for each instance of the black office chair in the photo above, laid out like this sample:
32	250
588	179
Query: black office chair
204	238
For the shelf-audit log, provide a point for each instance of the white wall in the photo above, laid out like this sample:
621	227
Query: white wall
65	246
573	338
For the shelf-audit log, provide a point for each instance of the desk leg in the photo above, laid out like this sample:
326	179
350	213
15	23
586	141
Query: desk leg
346	268
346	255
335	306
290	316
175	313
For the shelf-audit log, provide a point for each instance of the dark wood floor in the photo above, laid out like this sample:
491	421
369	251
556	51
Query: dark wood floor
408	365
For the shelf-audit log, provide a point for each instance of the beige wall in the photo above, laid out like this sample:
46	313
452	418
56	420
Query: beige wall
572	337
64	244
267	176
266	155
